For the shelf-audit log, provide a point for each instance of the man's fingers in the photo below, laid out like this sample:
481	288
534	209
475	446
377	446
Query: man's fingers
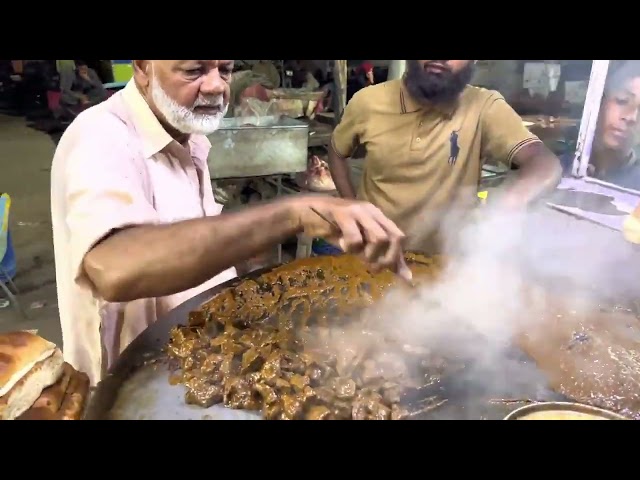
376	238
381	238
403	269
392	254
395	237
351	239
386	223
361	228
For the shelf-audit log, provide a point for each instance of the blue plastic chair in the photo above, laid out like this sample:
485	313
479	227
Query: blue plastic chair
7	255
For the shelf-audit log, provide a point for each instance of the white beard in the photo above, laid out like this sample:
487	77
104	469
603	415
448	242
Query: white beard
184	119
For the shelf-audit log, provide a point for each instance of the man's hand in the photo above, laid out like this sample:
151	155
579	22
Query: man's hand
370	77
539	174
357	227
507	199
210	245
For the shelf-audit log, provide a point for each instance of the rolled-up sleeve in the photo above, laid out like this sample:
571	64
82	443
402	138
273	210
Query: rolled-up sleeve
105	191
346	136
503	132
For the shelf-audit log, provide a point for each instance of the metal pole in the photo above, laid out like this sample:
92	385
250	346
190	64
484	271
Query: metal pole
396	69
597	80
340	89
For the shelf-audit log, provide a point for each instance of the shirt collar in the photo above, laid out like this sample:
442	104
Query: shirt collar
153	135
409	105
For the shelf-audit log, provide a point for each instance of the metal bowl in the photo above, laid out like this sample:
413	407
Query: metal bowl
562	411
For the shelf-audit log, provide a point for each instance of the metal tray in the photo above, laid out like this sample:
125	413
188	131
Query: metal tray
589	412
138	386
258	146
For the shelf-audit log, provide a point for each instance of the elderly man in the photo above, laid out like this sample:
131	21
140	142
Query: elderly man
136	228
427	136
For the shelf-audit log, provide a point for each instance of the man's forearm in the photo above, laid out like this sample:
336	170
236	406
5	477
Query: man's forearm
539	173
341	174
153	261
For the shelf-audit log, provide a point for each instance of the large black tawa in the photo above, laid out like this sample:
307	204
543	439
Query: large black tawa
138	386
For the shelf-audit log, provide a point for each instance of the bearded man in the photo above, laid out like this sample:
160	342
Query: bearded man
427	136
136	228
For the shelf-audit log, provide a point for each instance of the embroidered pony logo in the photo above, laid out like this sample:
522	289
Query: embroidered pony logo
454	149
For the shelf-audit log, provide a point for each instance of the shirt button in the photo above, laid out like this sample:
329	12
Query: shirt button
418	139
420	124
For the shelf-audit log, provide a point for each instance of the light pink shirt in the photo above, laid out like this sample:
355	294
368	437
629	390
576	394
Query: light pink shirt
117	167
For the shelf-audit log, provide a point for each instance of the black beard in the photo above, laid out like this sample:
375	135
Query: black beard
442	87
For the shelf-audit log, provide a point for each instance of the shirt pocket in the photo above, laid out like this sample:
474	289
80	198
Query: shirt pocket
175	196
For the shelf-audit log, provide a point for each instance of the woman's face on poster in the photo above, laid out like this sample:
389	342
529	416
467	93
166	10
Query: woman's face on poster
619	117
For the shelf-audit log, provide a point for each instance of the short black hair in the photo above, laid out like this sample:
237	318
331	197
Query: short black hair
621	74
80	63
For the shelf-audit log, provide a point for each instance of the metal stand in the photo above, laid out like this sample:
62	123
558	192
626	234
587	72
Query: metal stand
276	180
304	243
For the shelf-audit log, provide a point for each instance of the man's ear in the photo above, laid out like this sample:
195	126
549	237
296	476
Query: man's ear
142	72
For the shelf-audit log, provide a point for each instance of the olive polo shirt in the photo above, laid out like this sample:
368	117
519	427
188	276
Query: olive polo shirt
424	161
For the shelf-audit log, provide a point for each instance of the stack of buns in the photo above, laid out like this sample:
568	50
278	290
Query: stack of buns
35	381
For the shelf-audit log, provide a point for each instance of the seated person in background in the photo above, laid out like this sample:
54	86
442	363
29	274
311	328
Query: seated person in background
80	86
613	157
362	77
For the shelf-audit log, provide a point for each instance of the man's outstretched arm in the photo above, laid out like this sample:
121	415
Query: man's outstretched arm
157	260
506	139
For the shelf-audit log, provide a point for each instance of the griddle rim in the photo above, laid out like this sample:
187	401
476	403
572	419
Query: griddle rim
149	345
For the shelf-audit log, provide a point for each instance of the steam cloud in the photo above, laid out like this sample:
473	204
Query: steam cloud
507	272
476	308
